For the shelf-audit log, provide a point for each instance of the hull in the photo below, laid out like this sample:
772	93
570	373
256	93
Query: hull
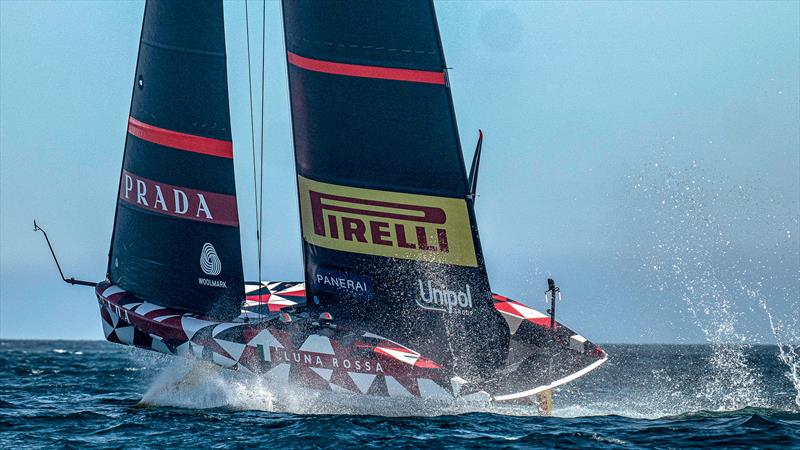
339	357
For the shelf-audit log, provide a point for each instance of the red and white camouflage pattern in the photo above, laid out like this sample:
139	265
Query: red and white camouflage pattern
313	356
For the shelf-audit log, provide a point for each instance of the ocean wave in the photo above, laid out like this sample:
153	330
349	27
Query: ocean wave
114	397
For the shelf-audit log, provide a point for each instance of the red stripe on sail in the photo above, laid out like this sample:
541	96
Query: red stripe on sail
356	70
178	201
180	141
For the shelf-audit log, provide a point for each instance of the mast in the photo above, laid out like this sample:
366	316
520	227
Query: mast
388	228
176	230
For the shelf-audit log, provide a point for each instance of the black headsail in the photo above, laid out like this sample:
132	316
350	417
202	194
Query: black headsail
388	229
176	230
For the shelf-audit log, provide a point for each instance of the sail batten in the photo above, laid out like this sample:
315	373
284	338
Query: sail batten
176	230
180	49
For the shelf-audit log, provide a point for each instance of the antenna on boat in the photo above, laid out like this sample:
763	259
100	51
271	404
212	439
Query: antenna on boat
554	291
473	171
69	280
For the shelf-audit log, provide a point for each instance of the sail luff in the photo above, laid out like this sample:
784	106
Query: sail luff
122	162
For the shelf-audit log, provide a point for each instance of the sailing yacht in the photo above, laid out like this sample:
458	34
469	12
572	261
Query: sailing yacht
396	299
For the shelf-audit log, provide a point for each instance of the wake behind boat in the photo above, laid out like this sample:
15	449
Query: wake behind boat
396	300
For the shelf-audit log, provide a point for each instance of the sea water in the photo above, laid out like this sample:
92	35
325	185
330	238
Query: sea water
727	392
96	394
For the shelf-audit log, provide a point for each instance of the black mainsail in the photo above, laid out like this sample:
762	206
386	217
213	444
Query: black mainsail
176	230
389	230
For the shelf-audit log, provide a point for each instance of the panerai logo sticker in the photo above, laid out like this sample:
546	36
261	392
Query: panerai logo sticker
443	299
341	282
211	265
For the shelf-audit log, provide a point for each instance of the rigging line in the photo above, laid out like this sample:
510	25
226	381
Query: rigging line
253	144
261	168
252	119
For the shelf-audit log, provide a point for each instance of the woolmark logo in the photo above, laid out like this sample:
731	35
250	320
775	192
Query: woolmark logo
209	261
443	299
383	223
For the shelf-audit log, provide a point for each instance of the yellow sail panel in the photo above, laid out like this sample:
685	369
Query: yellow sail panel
384	223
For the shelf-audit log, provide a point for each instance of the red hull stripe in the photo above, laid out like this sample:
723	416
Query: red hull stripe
505	307
294	294
180	141
355	70
263	298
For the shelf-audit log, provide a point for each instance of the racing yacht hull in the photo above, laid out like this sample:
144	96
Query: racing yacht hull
343	357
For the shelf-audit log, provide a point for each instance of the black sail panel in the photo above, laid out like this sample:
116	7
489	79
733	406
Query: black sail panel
389	231
176	231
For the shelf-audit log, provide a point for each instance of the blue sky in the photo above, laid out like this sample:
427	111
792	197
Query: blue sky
646	155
